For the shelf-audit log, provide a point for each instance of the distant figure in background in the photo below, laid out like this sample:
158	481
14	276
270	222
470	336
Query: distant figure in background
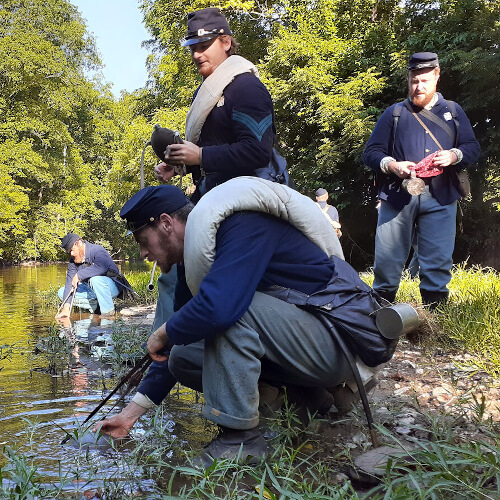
93	274
329	211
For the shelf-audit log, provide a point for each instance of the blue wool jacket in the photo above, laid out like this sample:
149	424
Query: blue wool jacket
97	263
253	252
413	143
238	137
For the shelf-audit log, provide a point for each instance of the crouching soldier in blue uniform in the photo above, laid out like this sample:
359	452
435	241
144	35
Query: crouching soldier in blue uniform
259	275
94	276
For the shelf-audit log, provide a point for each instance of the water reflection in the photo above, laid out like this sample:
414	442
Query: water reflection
42	398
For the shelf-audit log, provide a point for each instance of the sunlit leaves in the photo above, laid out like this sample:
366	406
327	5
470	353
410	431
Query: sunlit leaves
53	126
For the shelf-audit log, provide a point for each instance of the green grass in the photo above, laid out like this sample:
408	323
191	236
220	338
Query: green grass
139	281
445	466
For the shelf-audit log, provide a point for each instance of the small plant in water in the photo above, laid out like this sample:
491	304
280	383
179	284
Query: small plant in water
18	478
6	352
56	348
49	297
128	343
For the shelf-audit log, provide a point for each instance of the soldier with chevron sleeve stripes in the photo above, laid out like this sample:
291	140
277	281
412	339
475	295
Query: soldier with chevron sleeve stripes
230	128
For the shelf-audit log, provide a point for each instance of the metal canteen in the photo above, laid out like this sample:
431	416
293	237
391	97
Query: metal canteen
161	138
396	320
414	185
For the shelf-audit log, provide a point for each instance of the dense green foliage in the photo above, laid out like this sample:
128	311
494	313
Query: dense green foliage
70	153
54	126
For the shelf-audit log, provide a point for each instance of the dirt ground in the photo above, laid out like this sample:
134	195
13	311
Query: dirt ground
414	389
441	382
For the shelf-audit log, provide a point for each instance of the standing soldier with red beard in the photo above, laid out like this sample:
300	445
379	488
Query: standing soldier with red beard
406	134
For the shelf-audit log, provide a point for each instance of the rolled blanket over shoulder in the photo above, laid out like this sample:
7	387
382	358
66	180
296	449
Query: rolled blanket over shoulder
249	193
211	91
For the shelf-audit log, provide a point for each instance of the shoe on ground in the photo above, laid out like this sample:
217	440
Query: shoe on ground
344	398
271	399
243	445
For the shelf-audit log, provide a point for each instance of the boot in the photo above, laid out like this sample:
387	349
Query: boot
109	315
433	299
344	398
270	399
390	296
309	401
245	445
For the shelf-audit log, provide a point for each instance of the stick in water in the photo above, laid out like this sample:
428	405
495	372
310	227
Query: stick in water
64	301
73	289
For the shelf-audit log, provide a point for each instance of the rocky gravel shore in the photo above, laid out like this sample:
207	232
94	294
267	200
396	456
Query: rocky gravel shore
415	389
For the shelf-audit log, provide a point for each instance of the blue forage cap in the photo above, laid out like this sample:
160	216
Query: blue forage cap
150	202
321	192
421	60
204	25
68	241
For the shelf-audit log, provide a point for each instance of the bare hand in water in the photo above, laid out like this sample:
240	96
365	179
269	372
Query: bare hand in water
119	425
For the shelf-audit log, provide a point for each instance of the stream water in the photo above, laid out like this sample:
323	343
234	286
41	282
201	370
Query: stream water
41	401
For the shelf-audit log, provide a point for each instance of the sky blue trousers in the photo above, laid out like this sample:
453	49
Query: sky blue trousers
277	340
435	228
100	290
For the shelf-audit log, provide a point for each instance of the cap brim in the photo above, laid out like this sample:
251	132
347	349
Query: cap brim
133	227
423	66
186	42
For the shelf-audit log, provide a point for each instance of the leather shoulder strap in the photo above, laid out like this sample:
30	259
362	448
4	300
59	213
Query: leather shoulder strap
396	113
429	115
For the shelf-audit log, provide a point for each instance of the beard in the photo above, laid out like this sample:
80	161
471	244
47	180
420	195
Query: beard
165	268
422	100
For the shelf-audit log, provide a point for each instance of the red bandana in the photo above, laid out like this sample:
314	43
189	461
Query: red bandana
425	167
